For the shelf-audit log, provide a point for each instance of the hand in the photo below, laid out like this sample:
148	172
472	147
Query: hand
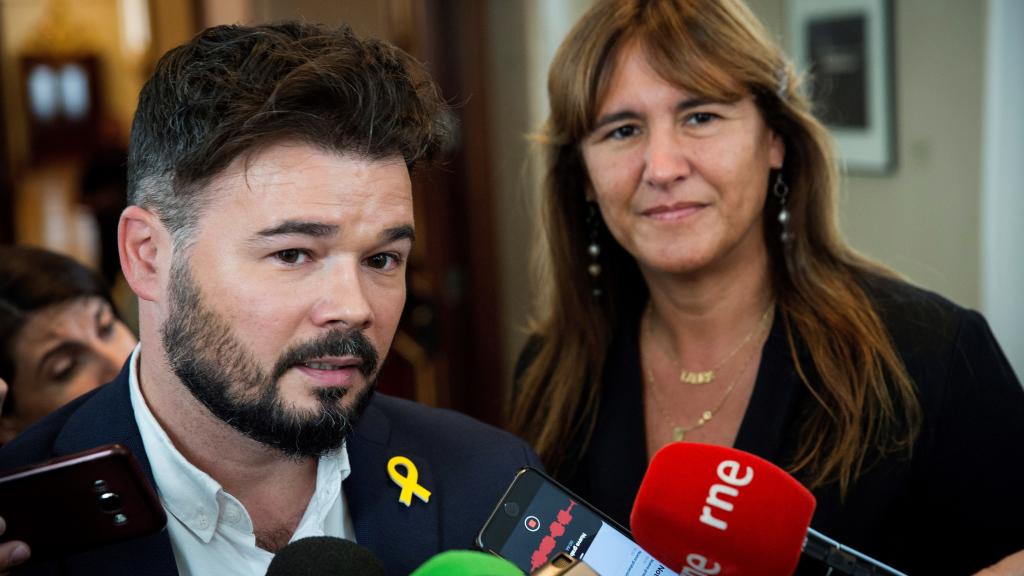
11	553
3	393
1012	565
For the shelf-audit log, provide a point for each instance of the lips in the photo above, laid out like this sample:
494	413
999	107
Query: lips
675	211
332	371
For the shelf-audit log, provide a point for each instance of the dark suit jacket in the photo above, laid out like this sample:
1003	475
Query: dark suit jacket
465	464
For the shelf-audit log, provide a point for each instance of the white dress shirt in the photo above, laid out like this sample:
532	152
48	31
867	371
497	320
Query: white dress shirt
210	530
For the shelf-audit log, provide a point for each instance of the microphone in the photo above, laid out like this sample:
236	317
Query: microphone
324	556
467	563
704	509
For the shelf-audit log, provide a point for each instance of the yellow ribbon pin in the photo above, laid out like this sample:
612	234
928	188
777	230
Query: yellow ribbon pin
407	482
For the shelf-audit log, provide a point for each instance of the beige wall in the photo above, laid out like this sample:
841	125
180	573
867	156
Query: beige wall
923	218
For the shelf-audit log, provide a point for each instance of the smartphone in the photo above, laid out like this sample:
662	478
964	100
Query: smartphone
80	501
537	519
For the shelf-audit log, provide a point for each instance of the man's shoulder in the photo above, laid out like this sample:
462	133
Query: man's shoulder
95	418
442	434
448	430
37	442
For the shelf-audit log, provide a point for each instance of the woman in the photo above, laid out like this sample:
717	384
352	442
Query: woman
59	334
699	290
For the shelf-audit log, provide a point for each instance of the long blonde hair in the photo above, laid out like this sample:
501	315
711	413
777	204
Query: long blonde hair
715	49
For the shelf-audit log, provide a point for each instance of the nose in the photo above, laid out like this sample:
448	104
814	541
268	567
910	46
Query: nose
343	299
665	158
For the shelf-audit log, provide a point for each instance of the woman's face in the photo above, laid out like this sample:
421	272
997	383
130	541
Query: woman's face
680	181
62	352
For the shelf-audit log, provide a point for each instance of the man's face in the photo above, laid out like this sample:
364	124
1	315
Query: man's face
280	311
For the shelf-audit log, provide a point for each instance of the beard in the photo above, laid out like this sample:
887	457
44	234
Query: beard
226	378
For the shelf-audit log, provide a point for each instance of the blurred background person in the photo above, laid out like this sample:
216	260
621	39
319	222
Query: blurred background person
60	335
701	291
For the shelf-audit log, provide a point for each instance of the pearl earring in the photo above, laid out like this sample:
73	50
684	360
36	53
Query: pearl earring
781	191
594	251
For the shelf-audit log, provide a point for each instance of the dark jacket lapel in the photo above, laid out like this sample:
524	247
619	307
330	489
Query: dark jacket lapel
401	537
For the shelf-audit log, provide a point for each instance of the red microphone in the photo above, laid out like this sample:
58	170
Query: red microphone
710	510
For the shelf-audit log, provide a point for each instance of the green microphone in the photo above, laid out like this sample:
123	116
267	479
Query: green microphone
467	563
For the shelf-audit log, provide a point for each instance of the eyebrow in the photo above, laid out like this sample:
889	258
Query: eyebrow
299	228
322	230
399	233
683	106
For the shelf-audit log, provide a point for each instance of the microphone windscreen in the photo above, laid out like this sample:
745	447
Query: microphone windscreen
467	563
701	505
324	556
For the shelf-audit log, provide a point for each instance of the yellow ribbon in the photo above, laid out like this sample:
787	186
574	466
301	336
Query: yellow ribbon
407	482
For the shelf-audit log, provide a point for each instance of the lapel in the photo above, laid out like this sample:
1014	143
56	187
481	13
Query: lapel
401	537
107	418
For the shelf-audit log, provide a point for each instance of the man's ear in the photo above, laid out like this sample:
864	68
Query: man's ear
145	247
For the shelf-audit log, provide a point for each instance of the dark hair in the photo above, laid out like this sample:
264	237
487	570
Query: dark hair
234	89
32	279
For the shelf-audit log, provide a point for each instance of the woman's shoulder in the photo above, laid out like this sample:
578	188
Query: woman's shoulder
933	333
915	314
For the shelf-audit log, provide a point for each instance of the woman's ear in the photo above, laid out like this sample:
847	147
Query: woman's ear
145	247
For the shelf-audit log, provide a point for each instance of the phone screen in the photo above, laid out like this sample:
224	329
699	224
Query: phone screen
537	518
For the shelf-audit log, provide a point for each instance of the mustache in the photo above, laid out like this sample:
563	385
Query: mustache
334	343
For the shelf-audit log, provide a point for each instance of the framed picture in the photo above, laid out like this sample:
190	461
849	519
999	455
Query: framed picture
846	47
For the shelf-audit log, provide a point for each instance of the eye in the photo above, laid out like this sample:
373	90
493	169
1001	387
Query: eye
698	118
64	369
292	256
384	261
623	132
105	330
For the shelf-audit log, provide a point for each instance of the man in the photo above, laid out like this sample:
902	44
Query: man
268	229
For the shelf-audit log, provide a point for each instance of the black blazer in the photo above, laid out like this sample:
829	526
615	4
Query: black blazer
465	464
954	507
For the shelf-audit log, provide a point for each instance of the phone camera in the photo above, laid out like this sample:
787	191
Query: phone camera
511	508
99	486
110	502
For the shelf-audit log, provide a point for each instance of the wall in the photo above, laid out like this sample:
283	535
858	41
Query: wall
523	40
923	218
1002	199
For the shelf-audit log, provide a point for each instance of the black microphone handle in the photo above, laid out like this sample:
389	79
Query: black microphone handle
843	559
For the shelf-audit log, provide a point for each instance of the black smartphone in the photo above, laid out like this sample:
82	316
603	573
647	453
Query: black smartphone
537	518
77	502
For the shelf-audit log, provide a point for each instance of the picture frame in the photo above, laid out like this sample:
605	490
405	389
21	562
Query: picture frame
846	48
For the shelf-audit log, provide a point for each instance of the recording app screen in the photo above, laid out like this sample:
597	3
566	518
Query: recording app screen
554	523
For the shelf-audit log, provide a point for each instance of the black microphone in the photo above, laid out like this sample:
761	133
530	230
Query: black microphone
324	556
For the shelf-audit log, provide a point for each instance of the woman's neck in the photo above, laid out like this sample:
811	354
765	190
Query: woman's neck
701	316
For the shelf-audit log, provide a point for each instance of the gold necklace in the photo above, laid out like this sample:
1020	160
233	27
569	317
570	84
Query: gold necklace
708	376
679	432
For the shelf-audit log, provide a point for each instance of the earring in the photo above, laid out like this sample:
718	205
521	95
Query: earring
781	191
594	250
